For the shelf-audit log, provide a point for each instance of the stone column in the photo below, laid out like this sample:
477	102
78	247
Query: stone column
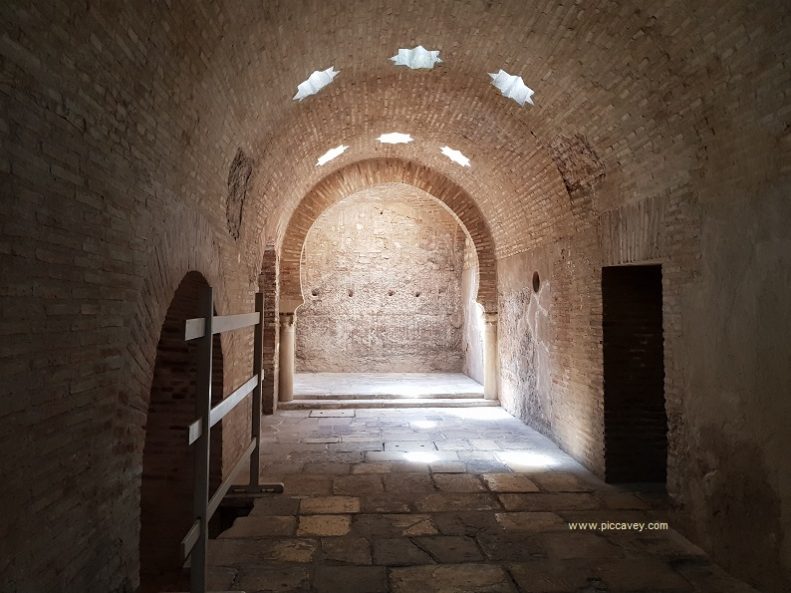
490	355
286	372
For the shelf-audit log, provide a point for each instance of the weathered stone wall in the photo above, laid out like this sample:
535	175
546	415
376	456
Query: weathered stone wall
382	282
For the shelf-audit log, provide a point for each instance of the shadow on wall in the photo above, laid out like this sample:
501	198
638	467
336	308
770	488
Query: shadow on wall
166	488
742	493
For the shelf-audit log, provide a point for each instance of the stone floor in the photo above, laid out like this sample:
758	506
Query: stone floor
444	501
390	385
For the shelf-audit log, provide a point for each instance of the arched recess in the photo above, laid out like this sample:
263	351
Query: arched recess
166	485
369	173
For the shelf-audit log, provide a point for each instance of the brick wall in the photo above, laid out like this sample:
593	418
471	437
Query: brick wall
101	221
382	283
552	373
660	133
380	173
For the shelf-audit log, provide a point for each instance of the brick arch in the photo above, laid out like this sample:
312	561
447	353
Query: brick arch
369	173
167	478
185	248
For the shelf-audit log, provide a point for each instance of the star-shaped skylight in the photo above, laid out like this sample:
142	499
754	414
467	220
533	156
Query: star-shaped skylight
416	58
395	138
331	154
456	156
513	87
315	82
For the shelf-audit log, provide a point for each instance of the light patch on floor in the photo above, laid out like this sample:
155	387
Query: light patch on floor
436	499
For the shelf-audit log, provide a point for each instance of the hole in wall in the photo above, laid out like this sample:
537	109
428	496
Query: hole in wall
456	156
536	282
350	293
417	293
513	87
315	82
315	292
395	138
331	154
390	292
417	58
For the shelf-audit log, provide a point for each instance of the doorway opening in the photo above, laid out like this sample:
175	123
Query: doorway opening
167	480
635	419
389	279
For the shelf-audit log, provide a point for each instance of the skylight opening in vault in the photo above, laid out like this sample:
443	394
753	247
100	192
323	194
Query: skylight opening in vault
395	138
331	154
456	156
513	87
417	58
315	82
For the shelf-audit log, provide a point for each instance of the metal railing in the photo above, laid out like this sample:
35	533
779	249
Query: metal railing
194	545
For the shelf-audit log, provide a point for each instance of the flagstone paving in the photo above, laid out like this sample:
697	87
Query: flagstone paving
444	501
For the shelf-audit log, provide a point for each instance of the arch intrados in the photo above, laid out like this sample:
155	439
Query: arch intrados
370	173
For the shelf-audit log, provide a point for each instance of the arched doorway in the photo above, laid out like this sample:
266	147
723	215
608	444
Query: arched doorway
166	488
373	174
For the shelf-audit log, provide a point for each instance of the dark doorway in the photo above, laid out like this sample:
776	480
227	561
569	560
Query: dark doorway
635	420
166	488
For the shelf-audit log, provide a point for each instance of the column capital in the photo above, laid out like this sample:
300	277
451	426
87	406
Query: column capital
490	318
287	319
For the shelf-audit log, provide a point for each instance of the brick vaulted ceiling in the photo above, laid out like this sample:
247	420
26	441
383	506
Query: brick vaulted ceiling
391	175
639	85
644	86
141	140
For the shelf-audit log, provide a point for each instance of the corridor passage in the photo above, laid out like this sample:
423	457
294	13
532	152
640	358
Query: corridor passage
445	501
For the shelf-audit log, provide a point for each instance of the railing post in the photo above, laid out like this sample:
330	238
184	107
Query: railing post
201	468
258	359
194	545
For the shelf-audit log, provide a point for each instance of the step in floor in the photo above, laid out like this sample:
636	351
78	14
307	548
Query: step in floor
385	390
385	385
383	402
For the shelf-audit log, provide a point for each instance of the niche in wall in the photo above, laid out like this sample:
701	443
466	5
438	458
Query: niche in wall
166	487
635	420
